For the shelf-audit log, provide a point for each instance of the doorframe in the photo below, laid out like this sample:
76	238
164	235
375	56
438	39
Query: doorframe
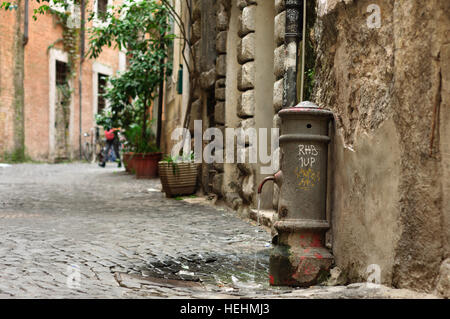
58	55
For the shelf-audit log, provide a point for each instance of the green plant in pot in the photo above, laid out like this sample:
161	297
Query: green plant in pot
142	152
178	175
142	29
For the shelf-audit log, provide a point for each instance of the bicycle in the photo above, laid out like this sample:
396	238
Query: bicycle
91	147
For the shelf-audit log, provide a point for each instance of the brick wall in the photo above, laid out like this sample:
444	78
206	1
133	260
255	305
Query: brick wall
42	34
7	21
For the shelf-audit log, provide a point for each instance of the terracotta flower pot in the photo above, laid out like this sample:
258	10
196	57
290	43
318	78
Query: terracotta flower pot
146	164
181	181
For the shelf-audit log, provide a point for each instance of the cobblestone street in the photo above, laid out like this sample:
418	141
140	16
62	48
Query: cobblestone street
126	240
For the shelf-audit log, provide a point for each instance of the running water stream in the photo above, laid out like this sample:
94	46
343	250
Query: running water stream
257	230
251	284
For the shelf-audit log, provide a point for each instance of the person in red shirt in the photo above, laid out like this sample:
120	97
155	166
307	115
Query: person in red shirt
112	141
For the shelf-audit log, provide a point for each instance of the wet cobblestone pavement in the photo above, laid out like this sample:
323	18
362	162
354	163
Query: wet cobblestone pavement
125	240
107	223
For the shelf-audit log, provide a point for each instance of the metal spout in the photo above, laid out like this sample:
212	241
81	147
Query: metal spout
270	178
277	179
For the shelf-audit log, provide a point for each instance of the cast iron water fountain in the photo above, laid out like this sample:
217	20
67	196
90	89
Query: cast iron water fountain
299	256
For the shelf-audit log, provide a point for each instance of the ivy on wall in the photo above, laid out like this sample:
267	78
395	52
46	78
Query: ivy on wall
70	38
65	93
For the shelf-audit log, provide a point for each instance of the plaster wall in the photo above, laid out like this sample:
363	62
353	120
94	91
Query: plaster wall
388	89
264	80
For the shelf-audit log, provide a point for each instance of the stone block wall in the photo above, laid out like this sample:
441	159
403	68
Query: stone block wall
280	54
222	23
209	37
279	69
246	86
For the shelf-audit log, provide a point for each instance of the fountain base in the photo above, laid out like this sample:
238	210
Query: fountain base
299	260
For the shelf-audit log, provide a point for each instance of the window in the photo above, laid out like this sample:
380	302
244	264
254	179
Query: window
61	73
102	9
102	84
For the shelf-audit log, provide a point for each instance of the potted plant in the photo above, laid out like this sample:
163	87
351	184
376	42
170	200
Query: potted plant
143	29
178	175
142	153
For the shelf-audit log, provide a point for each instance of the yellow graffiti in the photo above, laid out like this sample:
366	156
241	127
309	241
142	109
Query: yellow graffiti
307	178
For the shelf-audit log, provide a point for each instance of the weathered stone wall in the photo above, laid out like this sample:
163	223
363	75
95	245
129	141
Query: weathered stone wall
246	86
279	72
245	93
443	285
253	93
231	172
222	17
389	90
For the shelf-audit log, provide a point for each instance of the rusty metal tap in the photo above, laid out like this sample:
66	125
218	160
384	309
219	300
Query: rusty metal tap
277	179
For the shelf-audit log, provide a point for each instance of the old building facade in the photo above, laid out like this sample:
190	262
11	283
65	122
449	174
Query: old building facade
40	113
382	68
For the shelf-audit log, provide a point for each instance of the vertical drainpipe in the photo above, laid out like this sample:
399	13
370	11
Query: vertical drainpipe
293	34
80	89
25	25
160	107
302	77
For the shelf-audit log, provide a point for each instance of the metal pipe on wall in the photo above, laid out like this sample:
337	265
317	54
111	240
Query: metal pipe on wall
293	33
160	108
25	26
302	76
80	87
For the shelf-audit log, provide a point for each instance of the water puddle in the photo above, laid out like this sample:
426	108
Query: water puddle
240	270
244	271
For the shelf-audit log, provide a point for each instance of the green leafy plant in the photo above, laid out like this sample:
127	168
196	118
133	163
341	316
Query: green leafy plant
134	141
174	160
141	28
66	97
188	158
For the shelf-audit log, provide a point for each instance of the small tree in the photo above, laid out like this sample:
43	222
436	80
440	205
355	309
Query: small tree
142	29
